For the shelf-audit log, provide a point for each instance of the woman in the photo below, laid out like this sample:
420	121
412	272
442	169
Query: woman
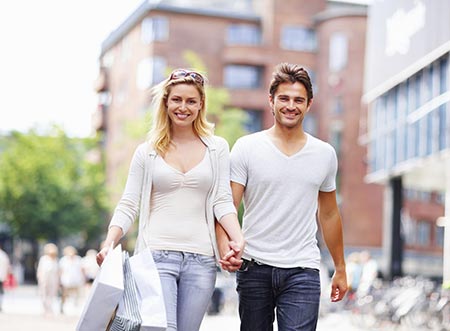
179	184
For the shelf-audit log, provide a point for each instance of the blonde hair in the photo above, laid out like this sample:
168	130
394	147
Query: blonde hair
160	136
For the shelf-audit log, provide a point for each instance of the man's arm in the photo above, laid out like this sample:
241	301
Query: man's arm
229	250
331	224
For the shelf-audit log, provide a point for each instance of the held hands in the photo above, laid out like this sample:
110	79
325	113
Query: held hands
231	259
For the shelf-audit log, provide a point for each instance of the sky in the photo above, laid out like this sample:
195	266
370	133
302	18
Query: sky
49	61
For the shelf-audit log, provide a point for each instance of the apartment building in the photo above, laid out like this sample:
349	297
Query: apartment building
240	42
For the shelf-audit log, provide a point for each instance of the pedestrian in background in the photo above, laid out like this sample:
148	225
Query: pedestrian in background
90	266
5	267
178	184
71	275
48	277
287	179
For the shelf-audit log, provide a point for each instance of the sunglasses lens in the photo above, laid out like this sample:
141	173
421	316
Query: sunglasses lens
183	73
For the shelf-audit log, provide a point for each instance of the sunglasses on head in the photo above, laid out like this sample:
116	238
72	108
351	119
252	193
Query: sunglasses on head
181	73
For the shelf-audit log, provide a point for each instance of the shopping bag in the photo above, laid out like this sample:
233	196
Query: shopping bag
105	293
151	301
10	282
127	316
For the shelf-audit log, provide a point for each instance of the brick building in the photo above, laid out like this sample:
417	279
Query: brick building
240	42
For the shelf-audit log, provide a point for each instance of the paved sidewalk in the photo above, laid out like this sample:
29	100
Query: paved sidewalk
22	311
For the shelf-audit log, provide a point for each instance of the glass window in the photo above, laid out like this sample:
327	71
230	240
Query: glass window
336	139
254	120
443	131
338	109
150	71
338	51
154	29
298	38
243	34
439	234
242	76
423	233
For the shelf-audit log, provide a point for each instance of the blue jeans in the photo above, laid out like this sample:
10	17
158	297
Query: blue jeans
187	282
294	292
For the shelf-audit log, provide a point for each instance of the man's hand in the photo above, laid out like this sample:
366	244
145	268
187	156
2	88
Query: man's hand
338	286
231	261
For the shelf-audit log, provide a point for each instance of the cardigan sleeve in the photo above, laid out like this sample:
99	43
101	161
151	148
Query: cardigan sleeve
223	201
127	209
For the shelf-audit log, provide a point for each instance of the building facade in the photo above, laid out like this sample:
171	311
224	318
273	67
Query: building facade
240	42
408	129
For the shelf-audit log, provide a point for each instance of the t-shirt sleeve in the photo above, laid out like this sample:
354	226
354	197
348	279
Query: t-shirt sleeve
329	183
238	163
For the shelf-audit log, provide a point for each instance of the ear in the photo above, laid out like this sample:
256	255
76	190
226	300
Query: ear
271	102
309	105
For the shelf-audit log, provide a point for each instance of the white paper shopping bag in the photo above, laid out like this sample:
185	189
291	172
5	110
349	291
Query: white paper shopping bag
152	308
105	293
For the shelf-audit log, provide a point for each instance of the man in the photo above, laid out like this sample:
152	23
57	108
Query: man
287	180
4	271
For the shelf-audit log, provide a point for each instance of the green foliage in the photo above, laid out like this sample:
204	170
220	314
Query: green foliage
51	186
229	121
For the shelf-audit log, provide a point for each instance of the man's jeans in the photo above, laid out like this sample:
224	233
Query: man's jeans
294	292
187	281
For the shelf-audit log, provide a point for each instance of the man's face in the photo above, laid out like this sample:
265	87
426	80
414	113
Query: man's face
290	104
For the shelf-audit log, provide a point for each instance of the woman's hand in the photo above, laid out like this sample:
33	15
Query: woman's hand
101	255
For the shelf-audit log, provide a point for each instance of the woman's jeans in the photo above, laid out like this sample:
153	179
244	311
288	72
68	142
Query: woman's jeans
294	292
188	282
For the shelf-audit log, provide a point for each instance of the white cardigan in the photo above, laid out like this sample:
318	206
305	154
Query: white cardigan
136	196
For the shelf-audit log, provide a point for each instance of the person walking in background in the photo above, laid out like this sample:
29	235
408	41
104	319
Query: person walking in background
5	267
178	184
90	266
369	273
287	180
71	275
48	277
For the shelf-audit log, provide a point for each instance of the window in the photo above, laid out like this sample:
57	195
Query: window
338	51
423	233
439	234
338	108
243	34
154	29
298	38
336	136
254	120
150	71
242	76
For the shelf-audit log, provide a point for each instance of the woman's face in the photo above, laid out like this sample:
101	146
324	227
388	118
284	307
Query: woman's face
183	105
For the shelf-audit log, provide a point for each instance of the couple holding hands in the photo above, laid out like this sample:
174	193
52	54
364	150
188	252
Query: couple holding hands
179	188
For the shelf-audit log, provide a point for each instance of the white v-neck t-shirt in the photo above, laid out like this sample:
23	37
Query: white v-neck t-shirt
281	198
178	203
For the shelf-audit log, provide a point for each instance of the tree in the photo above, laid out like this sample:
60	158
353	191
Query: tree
50	187
229	121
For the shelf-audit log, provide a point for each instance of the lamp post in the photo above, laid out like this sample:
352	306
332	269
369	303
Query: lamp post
445	223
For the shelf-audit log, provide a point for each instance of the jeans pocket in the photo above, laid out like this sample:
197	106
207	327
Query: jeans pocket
206	261
158	256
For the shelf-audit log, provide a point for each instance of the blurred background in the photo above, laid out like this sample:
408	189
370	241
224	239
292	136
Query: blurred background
76	77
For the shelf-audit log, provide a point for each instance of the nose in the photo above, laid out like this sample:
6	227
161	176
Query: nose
291	105
183	106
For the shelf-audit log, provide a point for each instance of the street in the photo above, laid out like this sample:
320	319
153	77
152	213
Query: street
22	311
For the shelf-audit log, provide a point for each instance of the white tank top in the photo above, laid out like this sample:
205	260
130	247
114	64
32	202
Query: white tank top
178	208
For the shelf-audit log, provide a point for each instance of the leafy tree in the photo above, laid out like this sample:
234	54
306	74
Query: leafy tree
229	121
50	186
